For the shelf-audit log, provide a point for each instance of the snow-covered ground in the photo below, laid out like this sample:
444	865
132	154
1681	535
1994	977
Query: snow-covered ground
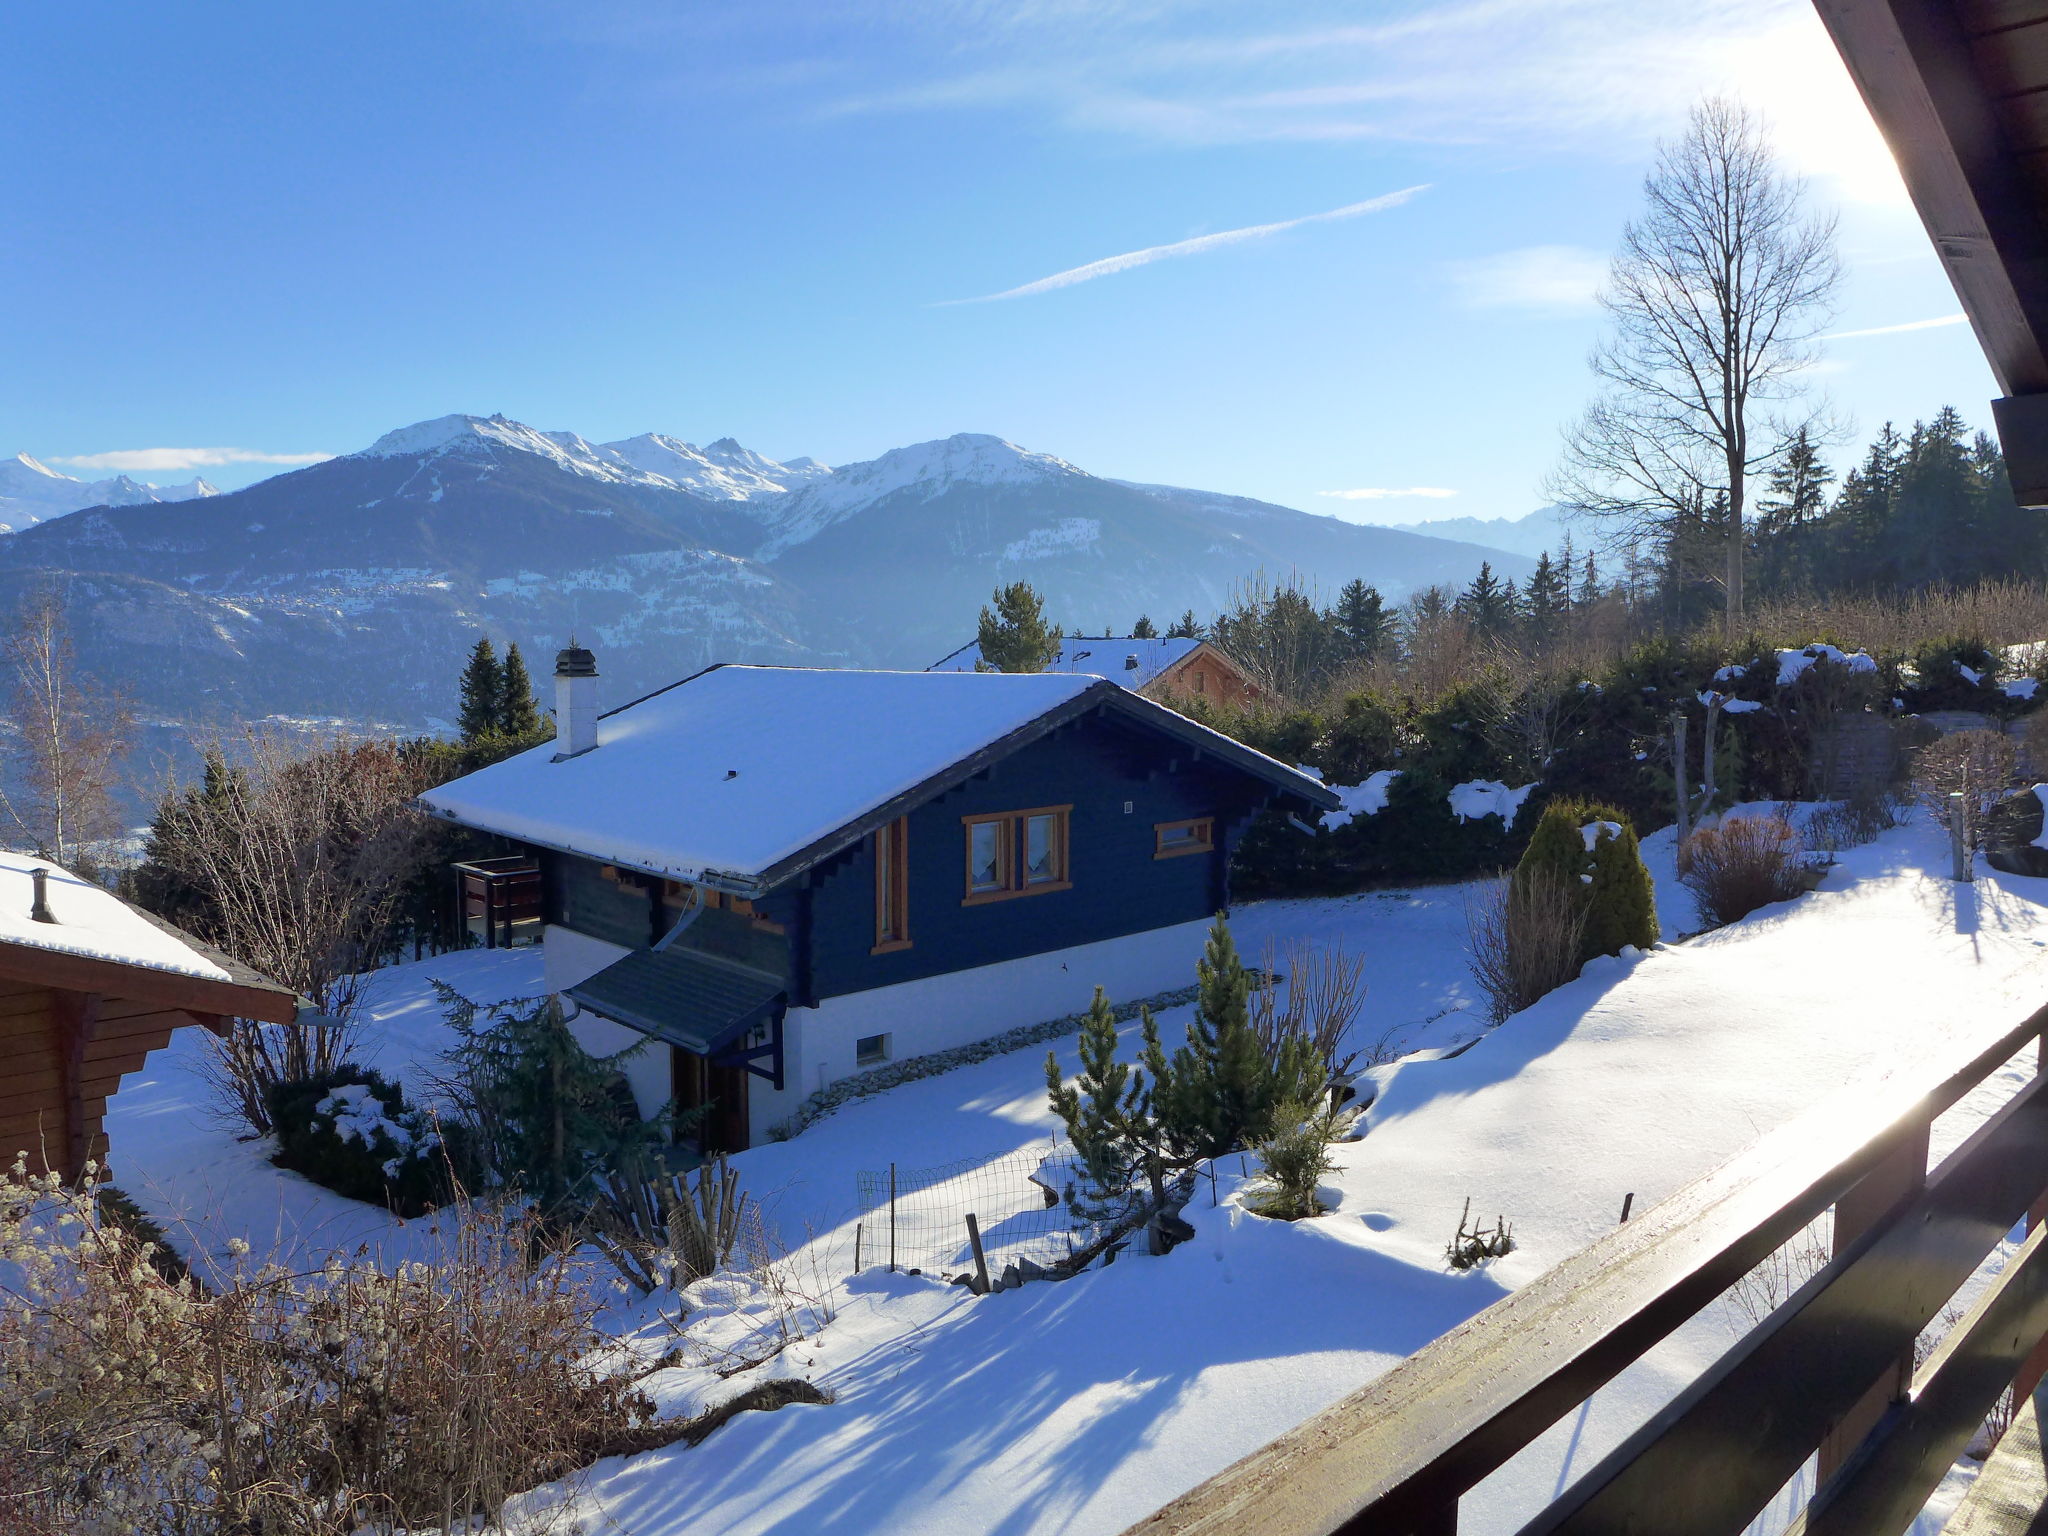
1082	1406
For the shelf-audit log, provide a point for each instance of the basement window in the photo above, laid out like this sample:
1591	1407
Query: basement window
870	1050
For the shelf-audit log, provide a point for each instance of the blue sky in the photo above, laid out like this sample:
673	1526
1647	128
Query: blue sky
284	230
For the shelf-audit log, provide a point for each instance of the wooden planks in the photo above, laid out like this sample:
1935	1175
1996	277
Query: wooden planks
2008	1495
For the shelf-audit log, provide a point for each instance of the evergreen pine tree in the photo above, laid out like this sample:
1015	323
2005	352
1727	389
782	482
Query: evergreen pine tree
518	711
1013	635
1607	882
1362	620
482	693
1545	604
1217	1093
1143	629
1589	583
1488	605
1108	1115
1186	627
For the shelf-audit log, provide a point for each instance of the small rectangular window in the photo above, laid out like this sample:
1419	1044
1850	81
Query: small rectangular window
1174	838
870	1050
892	886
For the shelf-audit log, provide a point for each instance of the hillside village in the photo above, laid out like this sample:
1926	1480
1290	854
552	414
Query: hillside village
565	985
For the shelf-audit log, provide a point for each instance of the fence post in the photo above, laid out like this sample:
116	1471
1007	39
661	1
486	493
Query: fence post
1684	796
980	1259
856	1247
1959	839
892	1218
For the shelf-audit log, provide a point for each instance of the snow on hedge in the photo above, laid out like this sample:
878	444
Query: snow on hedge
1367	799
1488	797
1792	663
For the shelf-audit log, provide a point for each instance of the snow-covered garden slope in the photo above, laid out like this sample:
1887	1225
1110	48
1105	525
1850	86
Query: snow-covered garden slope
1079	1407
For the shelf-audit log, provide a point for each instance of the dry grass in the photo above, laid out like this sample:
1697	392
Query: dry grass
341	1401
2003	612
1745	863
1525	936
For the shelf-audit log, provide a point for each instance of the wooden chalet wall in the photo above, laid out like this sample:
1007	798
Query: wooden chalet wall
62	1055
1096	765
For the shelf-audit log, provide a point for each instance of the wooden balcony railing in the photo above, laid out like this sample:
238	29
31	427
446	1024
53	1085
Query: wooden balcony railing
1830	1371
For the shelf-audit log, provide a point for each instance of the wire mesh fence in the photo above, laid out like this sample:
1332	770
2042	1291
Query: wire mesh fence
916	1218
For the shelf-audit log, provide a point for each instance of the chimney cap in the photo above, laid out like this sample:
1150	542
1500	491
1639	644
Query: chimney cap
1131	662
575	661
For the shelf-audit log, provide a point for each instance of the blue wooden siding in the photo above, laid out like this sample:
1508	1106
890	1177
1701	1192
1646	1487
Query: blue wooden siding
1096	765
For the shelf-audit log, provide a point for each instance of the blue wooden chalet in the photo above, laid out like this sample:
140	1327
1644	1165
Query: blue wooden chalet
786	876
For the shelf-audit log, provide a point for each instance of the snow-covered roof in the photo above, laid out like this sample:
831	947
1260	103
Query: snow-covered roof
92	922
1094	656
741	774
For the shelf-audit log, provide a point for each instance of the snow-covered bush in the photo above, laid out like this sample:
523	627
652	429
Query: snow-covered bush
1293	1160
351	1131
1745	863
331	1403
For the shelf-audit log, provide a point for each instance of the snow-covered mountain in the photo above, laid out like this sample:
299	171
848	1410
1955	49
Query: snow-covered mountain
352	587
31	492
722	470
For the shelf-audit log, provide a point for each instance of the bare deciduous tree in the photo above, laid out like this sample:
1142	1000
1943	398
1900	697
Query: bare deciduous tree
1717	298
69	743
300	857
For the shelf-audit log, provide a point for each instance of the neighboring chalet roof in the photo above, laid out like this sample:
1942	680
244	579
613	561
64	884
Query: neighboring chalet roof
1957	88
97	942
740	776
1094	656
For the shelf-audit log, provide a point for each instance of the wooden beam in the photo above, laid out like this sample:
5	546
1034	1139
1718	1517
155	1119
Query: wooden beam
167	989
76	1013
1913	64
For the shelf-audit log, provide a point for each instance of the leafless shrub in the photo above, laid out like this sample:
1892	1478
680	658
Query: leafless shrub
1475	1243
1767	1287
1851	823
327	1403
299	859
1525	936
1976	764
1325	989
1745	863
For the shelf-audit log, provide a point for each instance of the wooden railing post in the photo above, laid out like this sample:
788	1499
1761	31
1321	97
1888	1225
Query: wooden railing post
1889	1184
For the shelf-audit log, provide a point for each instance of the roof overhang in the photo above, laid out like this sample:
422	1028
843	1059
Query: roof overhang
66	971
1957	91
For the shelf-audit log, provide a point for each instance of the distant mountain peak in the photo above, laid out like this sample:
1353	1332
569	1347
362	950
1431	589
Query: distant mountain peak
723	470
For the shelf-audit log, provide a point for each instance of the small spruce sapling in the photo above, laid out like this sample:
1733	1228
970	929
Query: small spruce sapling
1108	1113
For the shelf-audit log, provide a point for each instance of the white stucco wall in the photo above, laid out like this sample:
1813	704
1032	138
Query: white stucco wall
568	957
938	1013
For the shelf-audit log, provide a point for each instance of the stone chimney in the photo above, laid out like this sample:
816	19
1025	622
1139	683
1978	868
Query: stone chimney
575	701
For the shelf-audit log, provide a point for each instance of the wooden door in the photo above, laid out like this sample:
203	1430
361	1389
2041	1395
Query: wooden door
698	1083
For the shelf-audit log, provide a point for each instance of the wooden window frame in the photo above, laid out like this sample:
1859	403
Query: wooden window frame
1010	851
892	899
884	1054
1207	826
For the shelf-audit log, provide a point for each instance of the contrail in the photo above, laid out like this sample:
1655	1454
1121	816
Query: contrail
1910	325
1193	247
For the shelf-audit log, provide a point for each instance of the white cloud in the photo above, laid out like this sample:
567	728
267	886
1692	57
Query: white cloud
159	460
1194	247
1892	330
1553	278
1384	493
